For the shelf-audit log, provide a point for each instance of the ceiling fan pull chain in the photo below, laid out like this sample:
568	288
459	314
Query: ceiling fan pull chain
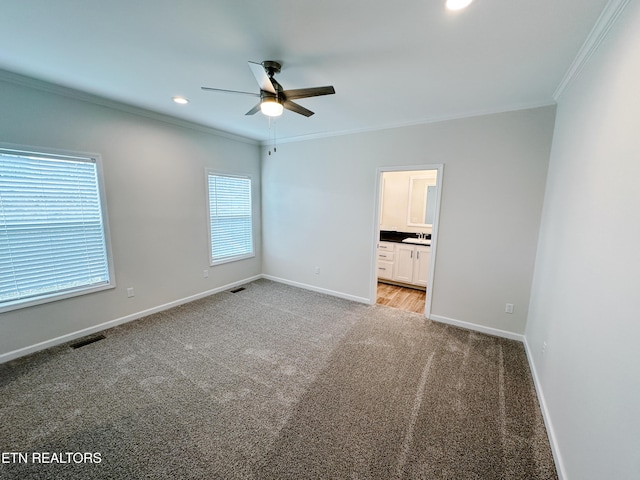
269	130
274	134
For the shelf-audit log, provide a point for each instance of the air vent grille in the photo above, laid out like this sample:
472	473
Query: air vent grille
87	341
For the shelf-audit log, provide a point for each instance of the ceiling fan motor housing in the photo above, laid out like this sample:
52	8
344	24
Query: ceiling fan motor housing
264	95
272	67
271	92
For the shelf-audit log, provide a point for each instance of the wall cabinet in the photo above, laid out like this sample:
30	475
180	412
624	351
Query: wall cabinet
404	263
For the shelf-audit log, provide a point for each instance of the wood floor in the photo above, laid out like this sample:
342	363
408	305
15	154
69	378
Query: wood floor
407	299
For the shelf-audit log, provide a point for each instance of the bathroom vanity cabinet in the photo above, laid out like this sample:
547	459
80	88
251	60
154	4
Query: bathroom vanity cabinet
386	260
404	263
412	264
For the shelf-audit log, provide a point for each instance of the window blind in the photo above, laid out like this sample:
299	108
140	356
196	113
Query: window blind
230	218
52	236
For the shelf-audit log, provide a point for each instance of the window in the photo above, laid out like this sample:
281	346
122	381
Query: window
230	222
53	236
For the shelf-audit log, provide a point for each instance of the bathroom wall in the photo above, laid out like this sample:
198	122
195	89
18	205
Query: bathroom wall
395	200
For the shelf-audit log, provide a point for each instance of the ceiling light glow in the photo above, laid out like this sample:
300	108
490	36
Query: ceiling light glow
458	4
271	107
180	100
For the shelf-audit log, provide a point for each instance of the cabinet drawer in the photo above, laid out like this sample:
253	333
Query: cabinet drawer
386	246
385	255
385	270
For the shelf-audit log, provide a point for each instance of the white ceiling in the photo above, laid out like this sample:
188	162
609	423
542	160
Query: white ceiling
391	63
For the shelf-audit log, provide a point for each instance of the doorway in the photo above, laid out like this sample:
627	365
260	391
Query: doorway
407	214
403	298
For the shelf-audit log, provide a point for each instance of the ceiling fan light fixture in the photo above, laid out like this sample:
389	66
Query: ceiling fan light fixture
458	4
273	98
271	107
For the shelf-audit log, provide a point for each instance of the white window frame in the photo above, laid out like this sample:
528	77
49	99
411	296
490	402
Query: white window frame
80	290
213	261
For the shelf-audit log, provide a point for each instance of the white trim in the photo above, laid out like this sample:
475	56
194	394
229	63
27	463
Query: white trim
553	440
79	156
6	357
422	121
439	167
598	33
56	89
217	173
49	87
496	332
21	352
313	288
424	200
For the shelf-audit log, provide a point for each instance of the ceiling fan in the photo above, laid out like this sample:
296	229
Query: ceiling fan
273	98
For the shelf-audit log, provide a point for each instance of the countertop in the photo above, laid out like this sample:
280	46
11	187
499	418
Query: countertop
397	237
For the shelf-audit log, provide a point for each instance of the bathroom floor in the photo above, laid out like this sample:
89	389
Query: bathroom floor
407	299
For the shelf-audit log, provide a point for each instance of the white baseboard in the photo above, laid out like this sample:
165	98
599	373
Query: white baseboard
21	352
313	288
478	328
5	357
536	381
555	450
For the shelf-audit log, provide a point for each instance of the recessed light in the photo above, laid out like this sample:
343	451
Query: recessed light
458	4
180	100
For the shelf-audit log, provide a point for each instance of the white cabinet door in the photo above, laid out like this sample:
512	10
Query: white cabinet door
422	257
404	263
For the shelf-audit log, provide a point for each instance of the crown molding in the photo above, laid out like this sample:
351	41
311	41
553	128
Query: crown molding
598	33
56	89
423	121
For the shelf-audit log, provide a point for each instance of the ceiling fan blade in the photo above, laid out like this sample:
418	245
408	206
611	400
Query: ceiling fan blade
294	107
230	91
261	77
308	92
254	110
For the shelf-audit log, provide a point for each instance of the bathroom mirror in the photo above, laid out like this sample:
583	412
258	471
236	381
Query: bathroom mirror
422	201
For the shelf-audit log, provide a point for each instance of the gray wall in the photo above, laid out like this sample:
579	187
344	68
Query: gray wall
318	209
585	299
156	197
319	202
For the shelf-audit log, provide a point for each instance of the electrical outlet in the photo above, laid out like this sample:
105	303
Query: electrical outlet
317	270
544	347
130	292
205	273
508	308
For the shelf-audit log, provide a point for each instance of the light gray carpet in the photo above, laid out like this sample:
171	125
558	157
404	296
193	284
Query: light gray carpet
274	382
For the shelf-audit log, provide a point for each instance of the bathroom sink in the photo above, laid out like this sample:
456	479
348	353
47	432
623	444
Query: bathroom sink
417	241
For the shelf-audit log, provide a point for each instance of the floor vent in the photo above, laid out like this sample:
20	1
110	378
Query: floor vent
236	290
87	341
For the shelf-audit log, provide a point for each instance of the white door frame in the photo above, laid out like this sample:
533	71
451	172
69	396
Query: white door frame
434	230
